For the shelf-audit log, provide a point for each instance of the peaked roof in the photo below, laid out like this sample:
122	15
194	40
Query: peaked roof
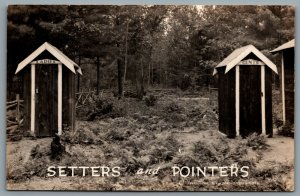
290	44
239	54
55	52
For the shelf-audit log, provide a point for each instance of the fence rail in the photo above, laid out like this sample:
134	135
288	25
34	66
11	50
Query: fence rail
82	97
13	114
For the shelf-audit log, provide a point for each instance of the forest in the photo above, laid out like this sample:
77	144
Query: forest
147	99
133	48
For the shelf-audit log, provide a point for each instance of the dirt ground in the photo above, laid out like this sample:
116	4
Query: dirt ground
180	131
280	153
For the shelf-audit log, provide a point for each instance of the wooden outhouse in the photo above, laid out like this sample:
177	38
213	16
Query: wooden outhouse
245	93
287	80
49	91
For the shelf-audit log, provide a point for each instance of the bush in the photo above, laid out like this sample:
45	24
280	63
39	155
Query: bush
278	122
173	107
257	141
186	160
36	152
150	100
185	82
116	135
101	107
286	130
202	151
222	148
164	149
175	119
18	175
81	136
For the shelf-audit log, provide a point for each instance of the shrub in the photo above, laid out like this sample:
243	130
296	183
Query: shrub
175	118
185	82
286	130
186	160
257	141
18	175
222	148
36	152
278	122
164	149
202	151
81	136
150	100
173	107
116	135
100	107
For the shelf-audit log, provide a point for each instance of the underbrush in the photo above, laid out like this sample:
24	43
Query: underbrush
135	134
286	130
256	141
137	149
177	113
81	136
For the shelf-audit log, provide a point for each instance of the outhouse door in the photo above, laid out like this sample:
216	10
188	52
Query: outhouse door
46	122
250	100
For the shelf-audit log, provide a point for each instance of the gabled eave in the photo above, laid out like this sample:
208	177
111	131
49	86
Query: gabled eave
285	46
249	49
71	65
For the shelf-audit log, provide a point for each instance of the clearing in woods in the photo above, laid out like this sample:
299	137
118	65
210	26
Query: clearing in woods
177	130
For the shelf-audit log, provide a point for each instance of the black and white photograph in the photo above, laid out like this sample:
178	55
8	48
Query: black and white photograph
150	98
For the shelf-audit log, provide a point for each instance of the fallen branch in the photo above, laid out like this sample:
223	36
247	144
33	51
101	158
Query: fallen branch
15	101
79	106
9	123
12	127
11	106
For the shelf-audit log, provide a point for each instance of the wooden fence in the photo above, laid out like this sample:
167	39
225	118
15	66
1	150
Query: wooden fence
82	97
13	114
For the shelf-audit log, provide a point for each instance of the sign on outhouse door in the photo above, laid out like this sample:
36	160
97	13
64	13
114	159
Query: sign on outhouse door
245	93
49	95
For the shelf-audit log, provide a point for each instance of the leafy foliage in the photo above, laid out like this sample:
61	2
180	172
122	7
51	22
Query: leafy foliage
150	100
144	46
257	141
287	130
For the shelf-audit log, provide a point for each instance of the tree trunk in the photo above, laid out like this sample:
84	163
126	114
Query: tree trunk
152	75
120	76
142	82
120	82
160	75
78	75
126	49
98	73
140	92
149	74
166	78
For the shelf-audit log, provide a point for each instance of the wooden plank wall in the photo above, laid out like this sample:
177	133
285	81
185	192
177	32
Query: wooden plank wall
72	110
65	97
268	97
226	99
250	100
289	81
26	74
46	118
68	110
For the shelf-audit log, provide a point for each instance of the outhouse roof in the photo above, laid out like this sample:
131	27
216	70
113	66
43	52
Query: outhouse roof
55	52
290	44
239	54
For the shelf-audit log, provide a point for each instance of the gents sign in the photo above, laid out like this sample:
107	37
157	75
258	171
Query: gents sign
251	62
46	61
